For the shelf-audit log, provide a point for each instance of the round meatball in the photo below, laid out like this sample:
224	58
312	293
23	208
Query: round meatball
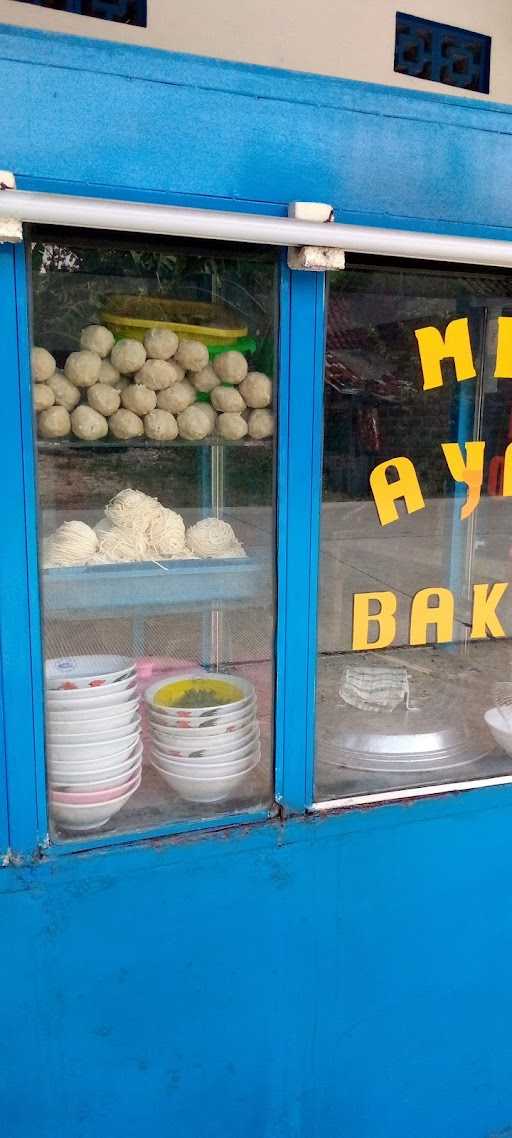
160	425
256	389
227	399
86	423
261	424
158	374
43	397
231	367
138	398
231	426
96	338
83	368
177	397
160	343
54	423
195	422
192	355
108	374
66	394
122	383
212	415
204	380
125	425
43	365
103	398
128	356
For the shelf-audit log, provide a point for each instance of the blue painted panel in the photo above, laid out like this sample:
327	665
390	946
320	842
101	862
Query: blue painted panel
343	977
310	138
4	829
77	53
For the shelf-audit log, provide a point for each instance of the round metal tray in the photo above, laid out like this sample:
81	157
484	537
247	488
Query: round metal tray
387	764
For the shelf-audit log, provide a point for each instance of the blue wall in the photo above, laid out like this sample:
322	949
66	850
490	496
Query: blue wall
343	977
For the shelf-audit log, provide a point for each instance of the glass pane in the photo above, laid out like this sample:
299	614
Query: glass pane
414	663
154	392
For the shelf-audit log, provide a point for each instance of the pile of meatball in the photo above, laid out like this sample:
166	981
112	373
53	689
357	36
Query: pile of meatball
161	389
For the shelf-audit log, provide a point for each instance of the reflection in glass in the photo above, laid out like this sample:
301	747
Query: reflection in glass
411	714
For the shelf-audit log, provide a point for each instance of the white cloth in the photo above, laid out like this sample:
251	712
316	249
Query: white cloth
375	689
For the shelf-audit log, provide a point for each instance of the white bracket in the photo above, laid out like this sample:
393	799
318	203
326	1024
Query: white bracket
314	258
10	228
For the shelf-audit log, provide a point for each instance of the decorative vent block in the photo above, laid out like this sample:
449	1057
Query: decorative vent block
124	11
442	54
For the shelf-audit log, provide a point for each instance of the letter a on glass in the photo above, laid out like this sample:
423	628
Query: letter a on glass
386	493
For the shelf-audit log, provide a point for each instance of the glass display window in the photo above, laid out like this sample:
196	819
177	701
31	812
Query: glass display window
414	676
154	385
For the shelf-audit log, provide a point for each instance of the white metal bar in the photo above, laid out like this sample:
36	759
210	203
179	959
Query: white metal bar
140	217
412	792
10	228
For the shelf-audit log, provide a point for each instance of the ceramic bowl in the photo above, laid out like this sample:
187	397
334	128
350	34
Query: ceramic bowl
191	723
85	779
175	686
190	736
200	769
203	789
75	752
84	695
228	746
199	716
497	726
92	699
86	770
92	734
86	818
116	716
197	719
67	673
89	797
65	784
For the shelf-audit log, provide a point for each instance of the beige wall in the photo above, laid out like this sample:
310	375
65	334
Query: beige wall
349	38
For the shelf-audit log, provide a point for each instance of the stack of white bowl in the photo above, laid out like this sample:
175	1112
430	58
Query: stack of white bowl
499	722
94	746
203	753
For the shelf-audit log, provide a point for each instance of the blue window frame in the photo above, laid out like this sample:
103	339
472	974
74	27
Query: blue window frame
19	602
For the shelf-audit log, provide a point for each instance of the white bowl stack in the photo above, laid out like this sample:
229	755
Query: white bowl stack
204	753
94	744
499	722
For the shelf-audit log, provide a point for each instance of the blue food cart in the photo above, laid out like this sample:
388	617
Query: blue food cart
254	619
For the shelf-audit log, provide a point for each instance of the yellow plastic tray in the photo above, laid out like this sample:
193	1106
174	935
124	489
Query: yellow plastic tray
132	316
